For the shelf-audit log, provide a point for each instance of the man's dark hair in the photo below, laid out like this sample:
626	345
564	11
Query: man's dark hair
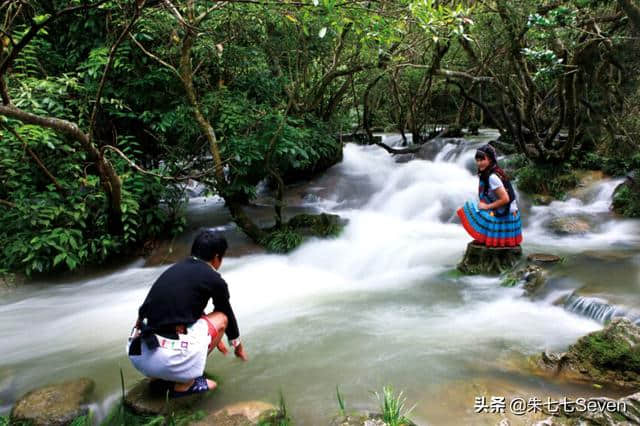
208	244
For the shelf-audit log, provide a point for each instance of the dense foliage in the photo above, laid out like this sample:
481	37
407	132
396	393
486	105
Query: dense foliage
108	107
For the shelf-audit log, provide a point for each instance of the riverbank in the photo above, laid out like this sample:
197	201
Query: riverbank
375	306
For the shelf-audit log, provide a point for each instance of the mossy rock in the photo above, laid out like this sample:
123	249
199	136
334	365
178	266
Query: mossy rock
146	399
320	225
623	411
626	199
531	277
302	226
611	355
479	259
53	405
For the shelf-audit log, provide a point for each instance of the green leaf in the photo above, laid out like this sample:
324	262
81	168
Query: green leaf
59	258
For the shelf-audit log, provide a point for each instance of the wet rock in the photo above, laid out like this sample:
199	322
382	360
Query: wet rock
586	180
9	282
479	259
543	258
452	132
531	277
404	158
611	355
473	128
543	200
195	189
570	225
148	397
362	419
53	405
320	225
242	414
606	411
432	148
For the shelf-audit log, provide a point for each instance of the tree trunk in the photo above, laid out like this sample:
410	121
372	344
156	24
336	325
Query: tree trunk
235	208
632	11
109	178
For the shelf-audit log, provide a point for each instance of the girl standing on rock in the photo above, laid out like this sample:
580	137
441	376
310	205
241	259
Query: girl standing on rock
495	220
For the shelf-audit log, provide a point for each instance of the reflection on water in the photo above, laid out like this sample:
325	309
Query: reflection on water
375	306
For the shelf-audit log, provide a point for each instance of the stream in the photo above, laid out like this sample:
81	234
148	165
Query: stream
379	305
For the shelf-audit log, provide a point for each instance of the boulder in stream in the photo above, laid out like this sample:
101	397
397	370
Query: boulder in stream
531	277
479	259
610	356
604	411
570	225
53	405
243	414
147	399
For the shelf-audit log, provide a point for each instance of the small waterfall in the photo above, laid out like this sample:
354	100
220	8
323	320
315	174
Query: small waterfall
599	309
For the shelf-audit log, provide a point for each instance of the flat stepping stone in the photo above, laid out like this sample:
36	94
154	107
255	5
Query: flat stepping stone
144	399
240	414
543	258
53	405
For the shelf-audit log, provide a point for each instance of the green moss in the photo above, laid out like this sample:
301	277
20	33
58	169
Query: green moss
608	354
300	227
626	202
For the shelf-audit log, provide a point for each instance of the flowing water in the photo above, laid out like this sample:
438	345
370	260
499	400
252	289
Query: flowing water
378	305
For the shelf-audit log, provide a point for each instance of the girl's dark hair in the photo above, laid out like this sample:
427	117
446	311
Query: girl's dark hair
208	244
490	153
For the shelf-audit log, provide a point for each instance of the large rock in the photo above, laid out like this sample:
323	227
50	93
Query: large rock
53	405
242	414
317	225
605	411
570	225
611	355
479	259
146	398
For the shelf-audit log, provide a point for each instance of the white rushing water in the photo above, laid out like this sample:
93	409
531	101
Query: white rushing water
376	305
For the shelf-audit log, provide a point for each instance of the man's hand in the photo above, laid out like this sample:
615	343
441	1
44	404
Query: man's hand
240	353
483	206
222	347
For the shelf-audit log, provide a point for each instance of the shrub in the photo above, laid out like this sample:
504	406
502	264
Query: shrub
552	180
626	201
